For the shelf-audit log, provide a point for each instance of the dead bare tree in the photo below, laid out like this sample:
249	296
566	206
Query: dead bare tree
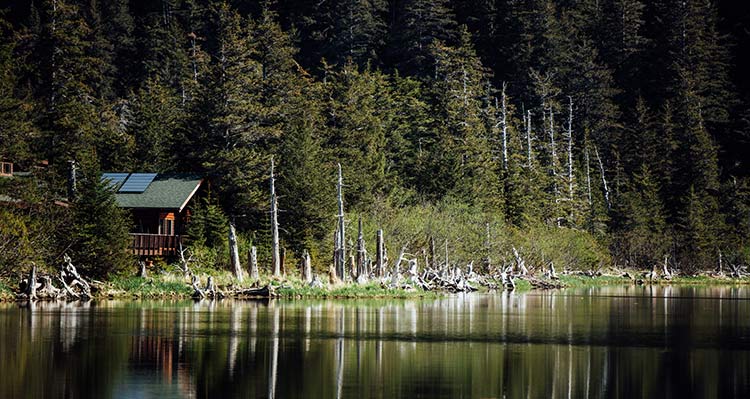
275	259
254	275
340	241
362	272
234	253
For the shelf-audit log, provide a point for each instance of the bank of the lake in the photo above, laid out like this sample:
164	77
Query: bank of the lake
175	285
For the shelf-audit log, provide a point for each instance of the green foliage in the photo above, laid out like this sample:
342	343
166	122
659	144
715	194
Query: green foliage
403	95
208	225
100	229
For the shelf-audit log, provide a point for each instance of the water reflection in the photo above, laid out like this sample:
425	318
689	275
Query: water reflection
607	342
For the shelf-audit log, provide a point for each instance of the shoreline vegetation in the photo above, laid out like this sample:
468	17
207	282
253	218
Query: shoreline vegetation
175	285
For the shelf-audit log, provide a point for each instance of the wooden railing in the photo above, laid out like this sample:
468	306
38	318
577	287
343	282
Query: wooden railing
154	244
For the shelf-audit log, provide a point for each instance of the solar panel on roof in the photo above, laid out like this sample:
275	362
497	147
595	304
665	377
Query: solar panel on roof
114	179
137	183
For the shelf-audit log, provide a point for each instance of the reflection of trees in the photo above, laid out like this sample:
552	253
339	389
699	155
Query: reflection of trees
548	344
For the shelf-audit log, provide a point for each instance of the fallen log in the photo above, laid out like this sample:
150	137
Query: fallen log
262	292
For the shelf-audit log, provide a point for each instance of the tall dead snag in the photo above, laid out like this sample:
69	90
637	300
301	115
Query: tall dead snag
553	150
588	175
340	242
379	254
446	266
604	179
306	267
432	262
362	272
254	275
275	258
234	253
504	123
528	140
31	290
570	149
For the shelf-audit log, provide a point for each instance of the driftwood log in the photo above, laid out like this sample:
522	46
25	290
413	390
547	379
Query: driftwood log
41	287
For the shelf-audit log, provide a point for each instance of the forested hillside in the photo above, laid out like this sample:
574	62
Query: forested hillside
618	125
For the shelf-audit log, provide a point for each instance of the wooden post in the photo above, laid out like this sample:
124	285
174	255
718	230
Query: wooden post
341	229
234	253
254	275
379	255
276	261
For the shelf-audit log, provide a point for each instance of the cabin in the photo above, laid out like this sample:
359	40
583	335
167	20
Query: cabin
159	206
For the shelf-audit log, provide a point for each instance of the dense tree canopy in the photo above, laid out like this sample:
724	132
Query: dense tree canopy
617	117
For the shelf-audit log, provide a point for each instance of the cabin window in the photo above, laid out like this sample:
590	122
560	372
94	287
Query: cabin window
7	168
166	224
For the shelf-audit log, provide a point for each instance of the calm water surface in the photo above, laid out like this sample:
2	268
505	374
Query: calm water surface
619	342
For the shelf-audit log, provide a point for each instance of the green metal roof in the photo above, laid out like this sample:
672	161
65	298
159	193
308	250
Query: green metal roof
167	191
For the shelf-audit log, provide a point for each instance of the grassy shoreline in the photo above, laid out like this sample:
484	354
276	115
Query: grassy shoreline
175	285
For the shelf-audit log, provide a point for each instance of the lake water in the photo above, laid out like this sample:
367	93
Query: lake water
618	342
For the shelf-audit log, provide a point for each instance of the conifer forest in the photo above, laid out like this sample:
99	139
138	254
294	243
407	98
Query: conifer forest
588	133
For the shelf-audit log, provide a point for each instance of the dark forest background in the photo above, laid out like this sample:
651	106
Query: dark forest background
625	122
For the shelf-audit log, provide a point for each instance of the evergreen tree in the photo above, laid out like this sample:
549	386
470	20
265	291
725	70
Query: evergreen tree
17	132
356	107
358	31
417	28
156	115
71	73
100	236
462	160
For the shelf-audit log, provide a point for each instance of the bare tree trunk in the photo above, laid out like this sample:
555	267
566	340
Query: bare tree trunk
447	263
379	254
528	140
254	275
588	176
505	127
275	259
185	262
604	179
341	229
570	149
553	150
142	266
306	267
197	291
234	253
520	262
488	248
362	272
32	283
432	253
